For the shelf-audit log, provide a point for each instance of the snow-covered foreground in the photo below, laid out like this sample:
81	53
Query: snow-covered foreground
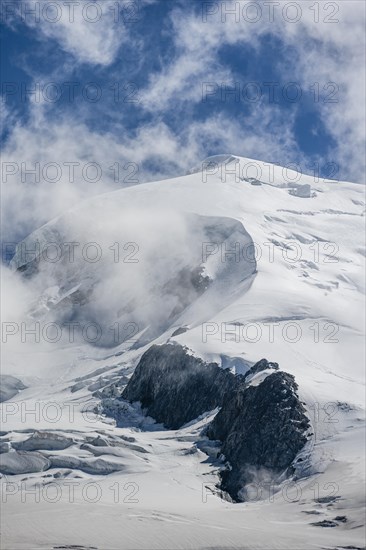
247	265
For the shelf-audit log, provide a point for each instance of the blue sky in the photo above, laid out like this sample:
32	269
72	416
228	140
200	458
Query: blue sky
162	55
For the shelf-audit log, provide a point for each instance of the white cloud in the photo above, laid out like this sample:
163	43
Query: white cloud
92	32
155	151
50	145
318	51
337	55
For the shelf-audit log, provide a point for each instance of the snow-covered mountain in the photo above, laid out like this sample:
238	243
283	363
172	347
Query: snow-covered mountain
235	261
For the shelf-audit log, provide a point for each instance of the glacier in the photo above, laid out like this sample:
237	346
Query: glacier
235	261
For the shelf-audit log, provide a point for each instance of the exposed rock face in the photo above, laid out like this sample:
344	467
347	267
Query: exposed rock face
261	365
175	387
262	426
186	286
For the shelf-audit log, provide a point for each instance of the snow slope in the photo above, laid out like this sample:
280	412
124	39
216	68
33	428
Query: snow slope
249	260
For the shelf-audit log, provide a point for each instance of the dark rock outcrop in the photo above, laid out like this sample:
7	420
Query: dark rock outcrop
325	523
261	365
261	427
180	330
175	387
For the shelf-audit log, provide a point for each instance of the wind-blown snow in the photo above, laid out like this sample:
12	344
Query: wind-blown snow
299	302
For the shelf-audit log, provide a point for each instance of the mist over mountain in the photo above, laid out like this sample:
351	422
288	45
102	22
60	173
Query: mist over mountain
182	275
191	281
